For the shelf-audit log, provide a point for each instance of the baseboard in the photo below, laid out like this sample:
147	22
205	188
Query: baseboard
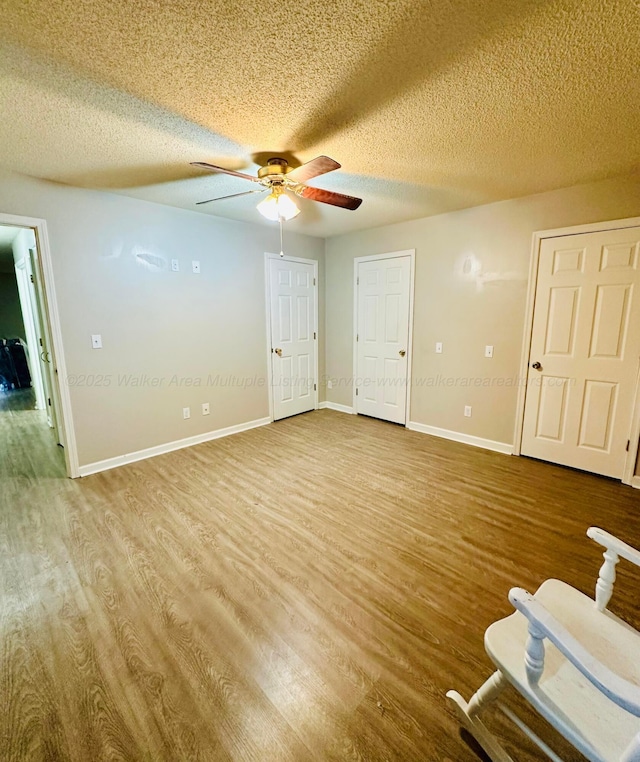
179	444
635	482
334	406
456	436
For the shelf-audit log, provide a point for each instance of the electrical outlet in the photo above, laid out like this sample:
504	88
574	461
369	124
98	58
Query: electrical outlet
205	408
195	266
175	265
186	412
438	347
488	350
329	384
467	411
96	341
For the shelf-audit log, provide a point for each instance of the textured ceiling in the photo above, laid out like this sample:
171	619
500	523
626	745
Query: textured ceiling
429	105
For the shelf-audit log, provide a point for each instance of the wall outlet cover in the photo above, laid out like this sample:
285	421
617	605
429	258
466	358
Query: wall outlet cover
488	350
205	408
438	347
96	341
195	266
175	265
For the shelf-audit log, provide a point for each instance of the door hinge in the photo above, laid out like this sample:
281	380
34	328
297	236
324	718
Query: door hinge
314	281
357	337
358	281
49	401
315	388
628	443
40	340
33	280
356	392
314	334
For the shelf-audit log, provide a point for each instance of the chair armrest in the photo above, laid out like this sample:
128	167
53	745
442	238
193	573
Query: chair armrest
542	622
614	544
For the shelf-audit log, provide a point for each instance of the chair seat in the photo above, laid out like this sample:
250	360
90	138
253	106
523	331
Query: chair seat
564	696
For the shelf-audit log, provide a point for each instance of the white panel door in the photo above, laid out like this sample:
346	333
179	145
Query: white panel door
584	351
382	338
293	353
47	370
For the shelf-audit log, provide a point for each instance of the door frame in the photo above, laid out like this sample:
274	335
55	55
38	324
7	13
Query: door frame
62	398
268	256
538	237
411	253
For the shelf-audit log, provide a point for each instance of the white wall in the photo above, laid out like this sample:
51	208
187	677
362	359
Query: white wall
166	336
464	311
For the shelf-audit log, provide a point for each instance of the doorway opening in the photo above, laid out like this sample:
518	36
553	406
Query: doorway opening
31	414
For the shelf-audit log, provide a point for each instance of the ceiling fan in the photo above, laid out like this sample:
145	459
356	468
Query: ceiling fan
278	177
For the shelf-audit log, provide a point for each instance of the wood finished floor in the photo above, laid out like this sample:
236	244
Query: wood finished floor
304	591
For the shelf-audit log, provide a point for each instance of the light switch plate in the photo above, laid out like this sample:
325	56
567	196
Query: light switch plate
488	350
186	413
438	347
467	411
195	266
96	341
205	408
175	265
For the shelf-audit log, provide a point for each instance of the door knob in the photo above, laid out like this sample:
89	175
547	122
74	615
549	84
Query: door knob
278	352
536	366
402	353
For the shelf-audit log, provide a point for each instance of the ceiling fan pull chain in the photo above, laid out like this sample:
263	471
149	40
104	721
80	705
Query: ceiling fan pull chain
281	249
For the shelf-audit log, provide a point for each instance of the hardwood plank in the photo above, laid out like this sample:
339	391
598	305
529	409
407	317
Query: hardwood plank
303	591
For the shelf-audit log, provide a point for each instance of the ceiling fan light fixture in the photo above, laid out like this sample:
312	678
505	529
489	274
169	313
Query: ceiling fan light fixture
278	206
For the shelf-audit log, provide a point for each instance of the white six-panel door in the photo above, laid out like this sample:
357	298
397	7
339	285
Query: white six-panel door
584	351
292	302
382	337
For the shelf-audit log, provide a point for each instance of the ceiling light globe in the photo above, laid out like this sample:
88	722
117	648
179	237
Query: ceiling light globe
278	206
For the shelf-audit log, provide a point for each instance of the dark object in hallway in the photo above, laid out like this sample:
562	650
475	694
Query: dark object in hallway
14	368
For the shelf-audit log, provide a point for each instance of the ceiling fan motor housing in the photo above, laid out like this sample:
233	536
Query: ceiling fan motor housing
275	167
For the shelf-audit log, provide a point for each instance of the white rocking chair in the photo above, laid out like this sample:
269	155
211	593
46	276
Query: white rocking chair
585	680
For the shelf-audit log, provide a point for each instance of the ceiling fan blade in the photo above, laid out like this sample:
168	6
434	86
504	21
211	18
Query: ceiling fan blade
319	166
330	197
233	195
213	168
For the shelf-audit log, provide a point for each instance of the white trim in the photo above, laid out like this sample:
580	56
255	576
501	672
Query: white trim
267	285
61	390
526	342
267	308
179	444
538	237
635	482
456	436
590	227
335	406
411	253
